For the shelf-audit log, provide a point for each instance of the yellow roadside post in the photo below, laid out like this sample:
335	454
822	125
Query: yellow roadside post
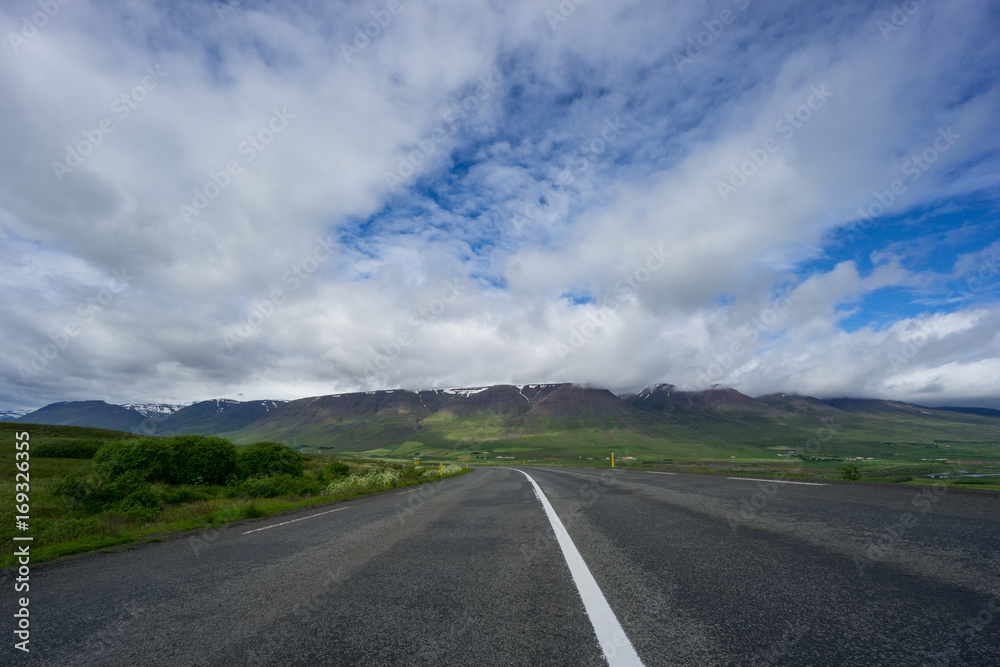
441	470
612	459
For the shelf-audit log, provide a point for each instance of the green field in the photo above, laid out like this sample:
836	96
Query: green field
748	438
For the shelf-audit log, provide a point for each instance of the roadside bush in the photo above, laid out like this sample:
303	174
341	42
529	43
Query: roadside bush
277	485
373	479
410	472
200	459
850	472
337	469
74	488
127	493
182	459
264	459
70	448
151	459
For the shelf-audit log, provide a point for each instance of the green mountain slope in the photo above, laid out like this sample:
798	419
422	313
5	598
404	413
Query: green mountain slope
92	414
205	417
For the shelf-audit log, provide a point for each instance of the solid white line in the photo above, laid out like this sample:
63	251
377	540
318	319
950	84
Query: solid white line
285	523
657	472
616	645
776	481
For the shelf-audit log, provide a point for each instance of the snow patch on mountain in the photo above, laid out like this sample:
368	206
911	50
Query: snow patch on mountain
465	392
150	409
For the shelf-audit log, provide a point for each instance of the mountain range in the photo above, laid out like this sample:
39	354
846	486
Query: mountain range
11	415
206	417
558	421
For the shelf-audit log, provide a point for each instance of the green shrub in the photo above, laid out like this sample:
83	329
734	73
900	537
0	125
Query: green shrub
277	485
337	469
182	459
200	459
850	472
265	459
127	493
141	503
152	459
69	448
74	488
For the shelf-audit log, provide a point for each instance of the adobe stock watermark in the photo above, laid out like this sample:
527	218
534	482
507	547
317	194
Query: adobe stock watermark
424	148
781	648
786	126
562	12
590	151
888	540
315	602
493	425
122	107
625	288
915	166
699	43
915	341
30	27
767	490
365	34
899	17
87	312
969	630
263	309
387	353
751	330
415	501
250	148
589	493
115	634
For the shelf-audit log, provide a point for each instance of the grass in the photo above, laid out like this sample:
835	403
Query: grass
61	529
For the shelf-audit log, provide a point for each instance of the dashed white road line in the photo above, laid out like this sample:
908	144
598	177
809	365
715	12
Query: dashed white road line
617	648
777	481
285	523
657	472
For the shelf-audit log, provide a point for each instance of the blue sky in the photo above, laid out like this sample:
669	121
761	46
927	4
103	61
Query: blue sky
249	200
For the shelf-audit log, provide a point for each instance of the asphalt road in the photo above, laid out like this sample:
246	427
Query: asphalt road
696	570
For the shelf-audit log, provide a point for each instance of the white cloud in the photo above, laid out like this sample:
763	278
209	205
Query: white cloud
522	198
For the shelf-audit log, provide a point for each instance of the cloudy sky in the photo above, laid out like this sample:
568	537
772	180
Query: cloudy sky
250	200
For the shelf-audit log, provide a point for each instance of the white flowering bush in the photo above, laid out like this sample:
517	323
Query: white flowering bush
374	478
449	469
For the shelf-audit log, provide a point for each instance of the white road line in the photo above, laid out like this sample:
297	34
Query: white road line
776	481
657	472
616	645
285	523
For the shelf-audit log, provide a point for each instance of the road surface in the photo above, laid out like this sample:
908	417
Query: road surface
691	569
